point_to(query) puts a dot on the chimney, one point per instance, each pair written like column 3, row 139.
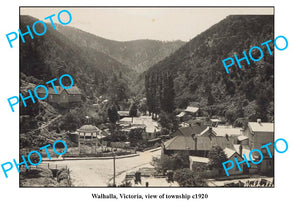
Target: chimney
column 241, row 150
column 259, row 120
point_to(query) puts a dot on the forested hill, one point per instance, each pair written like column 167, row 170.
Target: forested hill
column 197, row 74
column 139, row 55
column 53, row 54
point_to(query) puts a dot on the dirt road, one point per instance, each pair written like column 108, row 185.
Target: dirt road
column 95, row 173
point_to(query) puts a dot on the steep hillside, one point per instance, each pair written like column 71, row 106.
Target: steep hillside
column 197, row 72
column 53, row 54
column 139, row 55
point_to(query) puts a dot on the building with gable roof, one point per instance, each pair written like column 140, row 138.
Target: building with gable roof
column 235, row 142
column 221, row 131
column 196, row 145
column 150, row 126
column 261, row 133
column 189, row 130
column 192, row 110
column 60, row 96
column 231, row 155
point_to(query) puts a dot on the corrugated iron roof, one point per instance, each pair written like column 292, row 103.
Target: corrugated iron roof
column 74, row 90
column 88, row 128
column 180, row 114
column 189, row 130
column 229, row 152
column 261, row 127
column 242, row 137
column 246, row 150
column 181, row 142
column 191, row 109
column 199, row 159
column 123, row 113
column 215, row 120
column 223, row 131
column 151, row 125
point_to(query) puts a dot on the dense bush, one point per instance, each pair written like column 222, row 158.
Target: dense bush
column 168, row 121
column 117, row 136
column 173, row 162
column 216, row 157
column 49, row 56
column 135, row 135
column 199, row 75
column 62, row 174
column 185, row 177
column 73, row 120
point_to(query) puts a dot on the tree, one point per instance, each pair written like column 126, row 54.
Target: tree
column 133, row 109
column 135, row 135
column 230, row 115
column 186, row 177
column 73, row 120
column 262, row 106
column 168, row 121
column 216, row 157
column 240, row 111
column 96, row 79
column 210, row 97
column 171, row 162
column 250, row 90
column 230, row 87
column 149, row 91
column 118, row 89
column 240, row 122
column 143, row 107
column 168, row 94
column 24, row 141
column 113, row 114
column 116, row 135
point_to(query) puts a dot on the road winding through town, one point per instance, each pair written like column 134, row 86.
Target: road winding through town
column 98, row 173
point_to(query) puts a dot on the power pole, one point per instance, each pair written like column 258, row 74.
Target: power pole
column 114, row 165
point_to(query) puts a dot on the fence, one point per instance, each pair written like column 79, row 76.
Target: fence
column 50, row 166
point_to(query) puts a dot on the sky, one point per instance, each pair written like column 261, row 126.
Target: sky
column 126, row 24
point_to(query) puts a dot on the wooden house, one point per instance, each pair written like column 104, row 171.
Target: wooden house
column 62, row 97
column 258, row 134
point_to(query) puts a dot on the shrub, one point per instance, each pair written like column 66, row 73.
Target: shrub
column 62, row 175
column 230, row 115
column 173, row 162
column 216, row 157
column 185, row 177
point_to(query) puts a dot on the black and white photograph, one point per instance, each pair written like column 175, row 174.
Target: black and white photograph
column 146, row 97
